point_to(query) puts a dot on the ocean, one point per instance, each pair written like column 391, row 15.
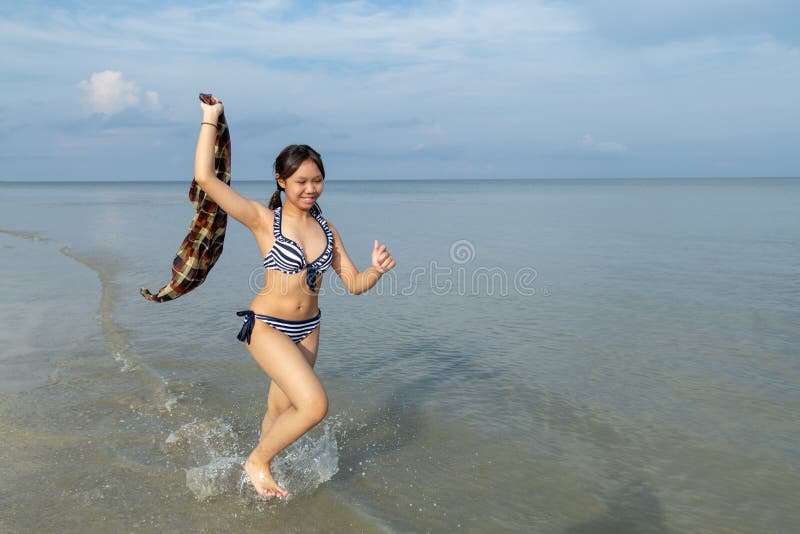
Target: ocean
column 555, row 356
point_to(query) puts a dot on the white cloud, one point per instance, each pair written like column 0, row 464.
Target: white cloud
column 152, row 99
column 587, row 142
column 108, row 92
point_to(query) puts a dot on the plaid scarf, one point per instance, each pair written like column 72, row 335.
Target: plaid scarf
column 202, row 246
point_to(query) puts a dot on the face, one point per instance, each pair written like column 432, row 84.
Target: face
column 304, row 187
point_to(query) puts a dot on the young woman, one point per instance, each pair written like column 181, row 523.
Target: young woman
column 281, row 328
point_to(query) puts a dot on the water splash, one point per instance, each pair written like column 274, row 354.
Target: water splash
column 217, row 448
column 308, row 462
column 201, row 442
column 219, row 477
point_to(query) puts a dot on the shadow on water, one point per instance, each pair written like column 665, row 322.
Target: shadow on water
column 634, row 508
column 397, row 420
column 436, row 356
column 402, row 417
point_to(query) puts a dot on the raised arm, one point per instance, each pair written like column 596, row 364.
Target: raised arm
column 248, row 212
column 356, row 281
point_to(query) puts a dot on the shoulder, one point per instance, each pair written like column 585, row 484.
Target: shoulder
column 334, row 231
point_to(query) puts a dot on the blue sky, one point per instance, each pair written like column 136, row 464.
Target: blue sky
column 395, row 90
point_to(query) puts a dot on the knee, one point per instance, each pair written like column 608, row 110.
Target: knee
column 273, row 412
column 316, row 408
column 275, row 408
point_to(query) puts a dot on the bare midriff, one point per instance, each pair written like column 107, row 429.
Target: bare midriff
column 286, row 296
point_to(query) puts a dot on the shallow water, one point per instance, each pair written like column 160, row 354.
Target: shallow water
column 548, row 356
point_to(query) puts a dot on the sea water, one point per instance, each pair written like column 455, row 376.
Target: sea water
column 547, row 356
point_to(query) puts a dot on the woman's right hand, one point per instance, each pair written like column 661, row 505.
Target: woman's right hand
column 211, row 112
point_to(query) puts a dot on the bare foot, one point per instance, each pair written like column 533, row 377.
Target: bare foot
column 262, row 480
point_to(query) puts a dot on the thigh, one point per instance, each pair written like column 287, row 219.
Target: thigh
column 308, row 348
column 285, row 364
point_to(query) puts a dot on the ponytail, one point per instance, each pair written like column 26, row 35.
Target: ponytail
column 275, row 201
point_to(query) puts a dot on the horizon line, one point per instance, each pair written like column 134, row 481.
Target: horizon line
column 173, row 181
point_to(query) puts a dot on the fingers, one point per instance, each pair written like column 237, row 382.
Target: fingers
column 388, row 265
column 380, row 254
column 214, row 105
column 383, row 260
column 378, row 251
column 211, row 111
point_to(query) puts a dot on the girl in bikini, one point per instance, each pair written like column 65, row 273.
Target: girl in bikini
column 281, row 328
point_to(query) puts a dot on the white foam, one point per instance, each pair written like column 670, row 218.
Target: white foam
column 219, row 477
column 308, row 462
column 127, row 365
column 301, row 468
column 203, row 442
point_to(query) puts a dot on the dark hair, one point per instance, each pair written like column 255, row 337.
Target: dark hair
column 287, row 163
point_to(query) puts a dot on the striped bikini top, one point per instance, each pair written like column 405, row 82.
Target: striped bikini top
column 288, row 257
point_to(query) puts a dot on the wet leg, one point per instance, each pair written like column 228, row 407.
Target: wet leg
column 277, row 401
column 284, row 362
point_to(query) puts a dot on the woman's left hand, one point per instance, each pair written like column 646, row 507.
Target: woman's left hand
column 382, row 259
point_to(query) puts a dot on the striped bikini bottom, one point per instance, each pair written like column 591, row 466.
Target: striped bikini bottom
column 296, row 330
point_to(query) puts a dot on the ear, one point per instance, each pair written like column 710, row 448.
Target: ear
column 281, row 181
